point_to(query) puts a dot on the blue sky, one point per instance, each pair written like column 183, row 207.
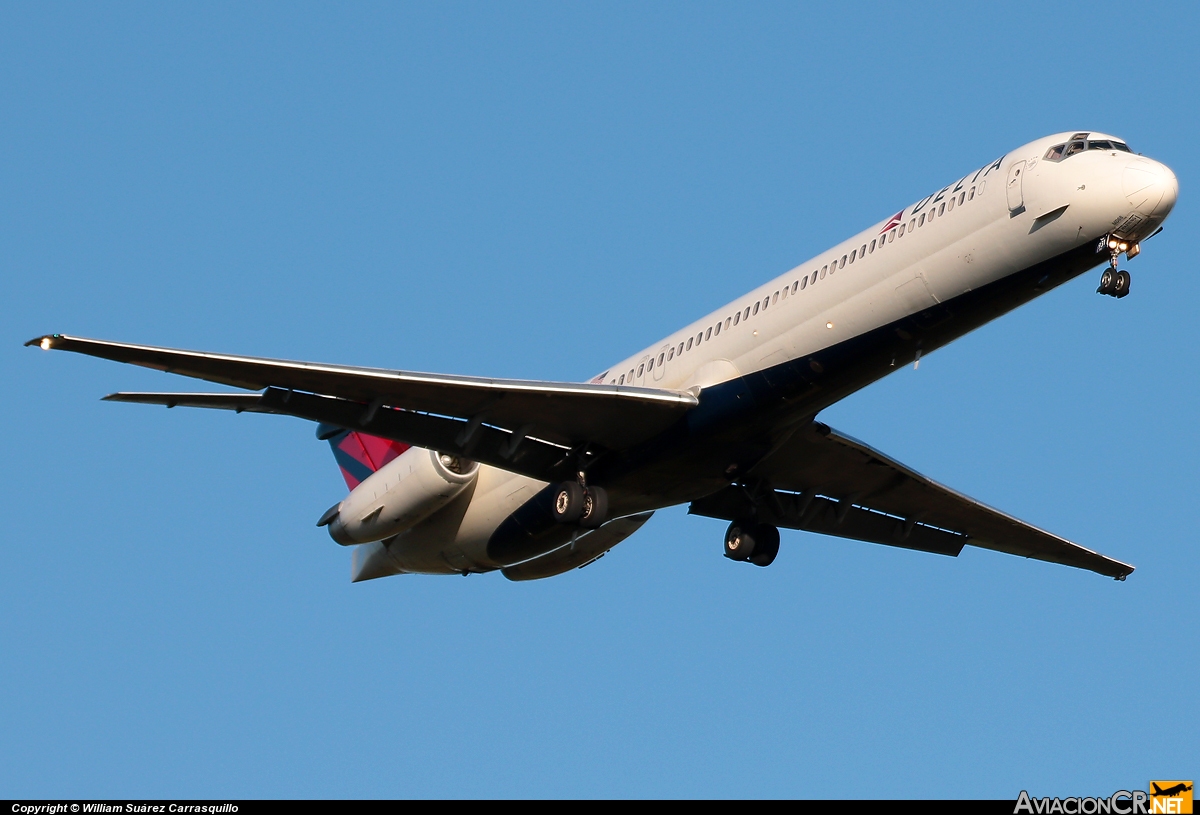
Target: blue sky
column 536, row 191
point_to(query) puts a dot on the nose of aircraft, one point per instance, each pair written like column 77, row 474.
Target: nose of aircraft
column 1150, row 186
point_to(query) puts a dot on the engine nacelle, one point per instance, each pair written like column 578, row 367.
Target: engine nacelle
column 399, row 495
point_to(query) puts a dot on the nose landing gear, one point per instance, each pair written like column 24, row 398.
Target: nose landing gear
column 1115, row 282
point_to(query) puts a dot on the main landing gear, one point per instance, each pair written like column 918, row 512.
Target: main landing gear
column 575, row 502
column 1115, row 282
column 755, row 542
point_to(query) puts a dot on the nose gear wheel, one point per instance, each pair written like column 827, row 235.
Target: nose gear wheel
column 1114, row 283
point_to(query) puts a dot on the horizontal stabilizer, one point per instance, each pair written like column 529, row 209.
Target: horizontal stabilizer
column 239, row 402
column 484, row 443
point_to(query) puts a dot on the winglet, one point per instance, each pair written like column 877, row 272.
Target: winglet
column 45, row 342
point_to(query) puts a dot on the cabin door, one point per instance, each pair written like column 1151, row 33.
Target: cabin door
column 1016, row 197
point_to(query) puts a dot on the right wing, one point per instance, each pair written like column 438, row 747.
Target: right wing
column 823, row 481
column 568, row 413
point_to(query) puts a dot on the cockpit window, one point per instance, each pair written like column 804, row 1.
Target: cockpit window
column 1060, row 151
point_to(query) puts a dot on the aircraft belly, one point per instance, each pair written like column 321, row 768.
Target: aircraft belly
column 740, row 420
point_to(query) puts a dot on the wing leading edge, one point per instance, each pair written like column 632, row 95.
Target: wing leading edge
column 823, row 481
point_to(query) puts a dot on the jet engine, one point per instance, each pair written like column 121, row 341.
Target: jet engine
column 399, row 495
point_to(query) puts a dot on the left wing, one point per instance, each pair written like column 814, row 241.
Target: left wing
column 822, row 481
column 565, row 413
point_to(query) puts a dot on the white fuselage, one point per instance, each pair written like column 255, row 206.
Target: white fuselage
column 979, row 229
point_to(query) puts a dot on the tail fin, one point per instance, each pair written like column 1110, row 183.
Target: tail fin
column 358, row 454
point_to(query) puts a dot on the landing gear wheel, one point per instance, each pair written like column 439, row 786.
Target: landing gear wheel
column 767, row 547
column 1121, row 285
column 1107, row 281
column 739, row 540
column 595, row 507
column 568, row 502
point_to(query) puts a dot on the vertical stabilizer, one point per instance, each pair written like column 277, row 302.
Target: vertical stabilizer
column 358, row 454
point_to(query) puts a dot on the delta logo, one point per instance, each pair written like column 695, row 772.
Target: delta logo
column 1171, row 797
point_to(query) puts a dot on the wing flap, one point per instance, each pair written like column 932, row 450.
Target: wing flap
column 569, row 413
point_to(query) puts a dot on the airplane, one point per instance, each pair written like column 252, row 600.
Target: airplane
column 460, row 475
column 1170, row 792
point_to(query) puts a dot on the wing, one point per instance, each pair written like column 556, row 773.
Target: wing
column 822, row 481
column 516, row 424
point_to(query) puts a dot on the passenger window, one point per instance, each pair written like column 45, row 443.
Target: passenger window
column 901, row 230
column 795, row 286
column 922, row 221
column 746, row 316
column 962, row 197
column 641, row 369
column 804, row 282
column 671, row 353
column 660, row 360
column 942, row 209
column 842, row 264
column 912, row 224
column 872, row 247
column 971, row 195
column 862, row 252
column 728, row 323
column 650, row 365
column 680, row 351
column 824, row 269
column 949, row 204
column 756, row 307
column 814, row 278
column 621, row 381
column 784, row 293
column 982, row 185
column 708, row 334
column 775, row 298
column 689, row 344
column 631, row 374
column 717, row 329
column 766, row 302
column 737, row 318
